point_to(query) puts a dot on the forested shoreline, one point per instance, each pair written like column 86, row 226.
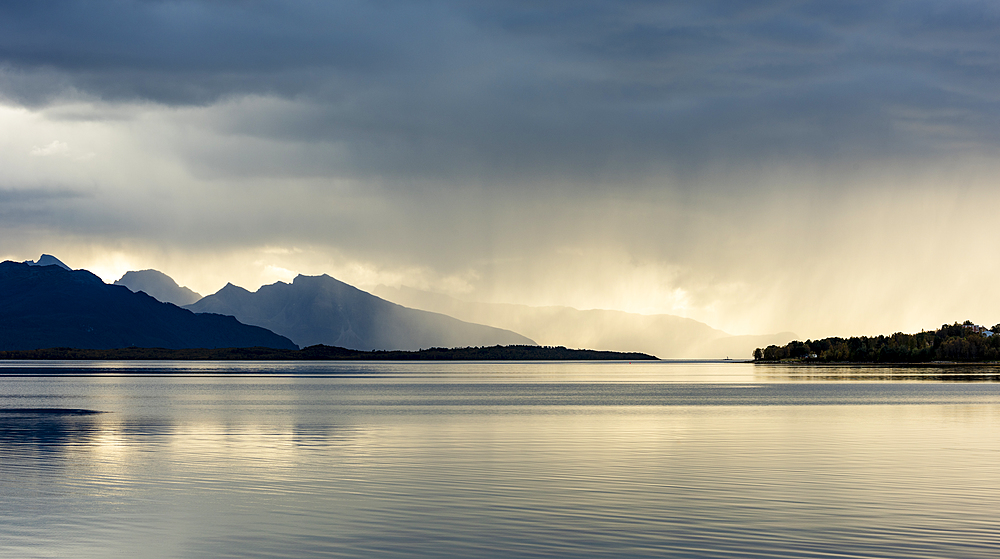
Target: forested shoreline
column 966, row 342
column 329, row 353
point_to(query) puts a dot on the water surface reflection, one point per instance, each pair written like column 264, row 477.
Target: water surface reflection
column 528, row 463
column 929, row 372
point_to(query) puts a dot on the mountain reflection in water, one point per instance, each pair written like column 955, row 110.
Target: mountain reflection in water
column 45, row 429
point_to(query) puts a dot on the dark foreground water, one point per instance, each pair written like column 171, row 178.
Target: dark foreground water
column 496, row 460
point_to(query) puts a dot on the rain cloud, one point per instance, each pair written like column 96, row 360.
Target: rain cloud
column 760, row 166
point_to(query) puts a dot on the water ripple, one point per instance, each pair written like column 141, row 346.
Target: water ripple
column 397, row 467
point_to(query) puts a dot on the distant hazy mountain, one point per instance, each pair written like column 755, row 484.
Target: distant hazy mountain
column 47, row 260
column 321, row 310
column 48, row 306
column 662, row 335
column 159, row 286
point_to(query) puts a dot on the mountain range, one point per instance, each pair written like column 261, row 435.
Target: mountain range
column 662, row 335
column 44, row 306
column 322, row 310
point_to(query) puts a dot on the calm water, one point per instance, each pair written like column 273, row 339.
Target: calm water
column 496, row 460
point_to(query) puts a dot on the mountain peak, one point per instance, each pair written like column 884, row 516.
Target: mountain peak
column 321, row 277
column 231, row 287
column 52, row 272
column 47, row 260
column 158, row 285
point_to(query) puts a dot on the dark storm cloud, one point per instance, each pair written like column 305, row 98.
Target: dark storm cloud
column 191, row 52
column 33, row 194
column 525, row 90
column 33, row 206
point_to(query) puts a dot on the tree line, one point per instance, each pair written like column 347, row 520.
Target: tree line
column 331, row 353
column 951, row 342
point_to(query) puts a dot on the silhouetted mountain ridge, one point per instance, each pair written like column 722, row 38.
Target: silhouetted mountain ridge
column 50, row 306
column 322, row 310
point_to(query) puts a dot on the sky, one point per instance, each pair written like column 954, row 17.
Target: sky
column 826, row 168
